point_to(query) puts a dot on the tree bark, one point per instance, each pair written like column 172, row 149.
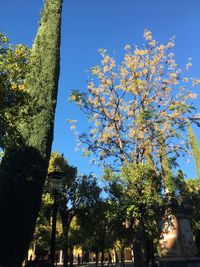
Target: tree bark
column 140, row 247
column 66, row 219
column 53, row 232
column 97, row 257
column 71, row 256
column 65, row 253
column 102, row 256
column 139, row 257
column 65, row 227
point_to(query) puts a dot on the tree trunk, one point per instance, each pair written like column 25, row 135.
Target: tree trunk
column 152, row 255
column 139, row 260
column 97, row 257
column 65, row 253
column 102, row 256
column 65, row 226
column 66, row 220
column 53, row 231
column 140, row 247
column 71, row 256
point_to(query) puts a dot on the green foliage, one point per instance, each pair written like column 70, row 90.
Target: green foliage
column 23, row 169
column 195, row 149
column 42, row 235
column 42, row 81
column 14, row 66
column 193, row 193
column 97, row 225
column 142, row 192
column 74, row 236
column 57, row 162
column 76, row 96
column 137, row 194
column 75, row 194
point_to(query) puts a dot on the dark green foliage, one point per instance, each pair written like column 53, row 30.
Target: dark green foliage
column 138, row 192
column 43, row 79
column 23, row 169
column 23, row 172
column 74, row 195
column 165, row 165
column 77, row 196
column 42, row 236
column 97, row 226
column 195, row 149
column 193, row 187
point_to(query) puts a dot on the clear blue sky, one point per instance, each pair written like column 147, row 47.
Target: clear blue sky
column 91, row 24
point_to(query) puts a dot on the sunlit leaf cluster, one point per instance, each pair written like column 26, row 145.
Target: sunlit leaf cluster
column 14, row 66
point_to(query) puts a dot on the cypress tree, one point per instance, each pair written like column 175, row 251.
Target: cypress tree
column 43, row 79
column 24, row 167
column 195, row 149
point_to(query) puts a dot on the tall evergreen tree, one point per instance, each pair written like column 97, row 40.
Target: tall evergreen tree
column 195, row 149
column 24, row 167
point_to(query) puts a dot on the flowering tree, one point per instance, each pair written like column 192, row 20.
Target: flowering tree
column 138, row 111
column 138, row 106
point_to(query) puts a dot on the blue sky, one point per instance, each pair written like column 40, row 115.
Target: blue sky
column 91, row 24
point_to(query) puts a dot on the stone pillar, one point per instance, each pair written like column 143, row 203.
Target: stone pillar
column 176, row 244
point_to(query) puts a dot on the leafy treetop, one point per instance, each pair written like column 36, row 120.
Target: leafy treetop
column 135, row 106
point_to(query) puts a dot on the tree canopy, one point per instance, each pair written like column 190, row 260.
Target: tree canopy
column 14, row 67
column 138, row 104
